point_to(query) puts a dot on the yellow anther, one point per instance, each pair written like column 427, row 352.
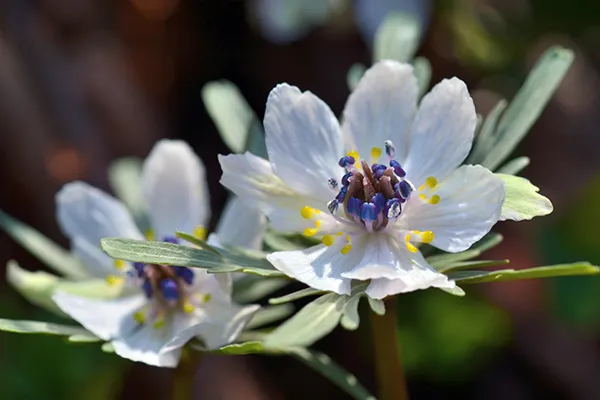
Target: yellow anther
column 188, row 307
column 114, row 280
column 149, row 234
column 421, row 188
column 200, row 232
column 310, row 231
column 346, row 249
column 318, row 224
column 435, row 199
column 207, row 298
column 119, row 264
column 339, row 234
column 159, row 323
column 306, row 212
column 409, row 245
column 328, row 240
column 431, row 182
column 139, row 317
column 354, row 154
column 427, row 237
column 422, row 196
column 375, row 153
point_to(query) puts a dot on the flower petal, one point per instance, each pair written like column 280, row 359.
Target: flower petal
column 252, row 179
column 95, row 262
column 471, row 201
column 90, row 214
column 241, row 225
column 303, row 141
column 144, row 343
column 225, row 322
column 218, row 286
column 320, row 267
column 175, row 190
column 104, row 318
column 442, row 133
column 417, row 275
column 382, row 107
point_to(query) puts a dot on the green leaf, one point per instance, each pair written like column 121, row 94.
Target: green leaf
column 232, row 115
column 579, row 268
column 108, row 347
column 268, row 315
column 528, row 103
column 22, row 326
column 252, row 288
column 441, row 260
column 277, row 241
column 322, row 364
column 515, row 166
column 522, row 201
column 462, row 265
column 455, row 291
column 42, row 248
column 397, row 38
column 125, row 178
column 485, row 139
column 174, row 254
column 377, row 306
column 355, row 73
column 84, row 338
column 314, row 321
column 251, row 347
column 296, row 295
column 422, row 71
column 350, row 317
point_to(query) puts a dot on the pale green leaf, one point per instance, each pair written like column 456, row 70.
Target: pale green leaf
column 397, row 38
column 528, row 103
column 22, row 326
column 350, row 318
column 355, row 73
column 579, row 268
column 485, row 139
column 108, row 347
column 377, row 306
column 252, row 347
column 268, row 315
column 515, row 166
column 251, row 288
column 441, row 260
column 125, row 178
column 84, row 338
column 42, row 248
column 522, row 201
column 455, row 291
column 296, row 295
column 232, row 115
column 462, row 265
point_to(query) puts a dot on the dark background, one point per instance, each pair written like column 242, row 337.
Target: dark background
column 83, row 82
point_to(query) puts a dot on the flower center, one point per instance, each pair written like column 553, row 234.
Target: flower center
column 372, row 197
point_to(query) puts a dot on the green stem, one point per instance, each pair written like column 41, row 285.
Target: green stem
column 183, row 376
column 388, row 367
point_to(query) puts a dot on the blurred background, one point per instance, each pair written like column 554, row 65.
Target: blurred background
column 86, row 81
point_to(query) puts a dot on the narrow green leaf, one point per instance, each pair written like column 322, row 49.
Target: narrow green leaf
column 529, row 103
column 310, row 324
column 174, row 254
column 277, row 241
column 296, row 295
column 125, row 178
column 397, row 38
column 455, row 291
column 84, row 338
column 485, row 139
column 377, row 306
column 251, row 347
column 108, row 347
column 350, row 318
column 325, row 366
column 355, row 73
column 441, row 260
column 268, row 315
column 522, row 201
column 22, row 326
column 579, row 268
column 42, row 248
column 422, row 71
column 515, row 166
column 251, row 288
column 462, row 265
column 230, row 112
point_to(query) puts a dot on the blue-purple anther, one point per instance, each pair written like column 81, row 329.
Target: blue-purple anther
column 139, row 268
column 147, row 287
column 368, row 212
column 169, row 289
column 342, row 194
column 397, row 168
column 392, row 208
column 346, row 177
column 404, row 189
column 171, row 239
column 379, row 201
column 354, row 206
column 185, row 273
column 346, row 160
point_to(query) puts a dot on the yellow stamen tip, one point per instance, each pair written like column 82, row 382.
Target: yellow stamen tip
column 139, row 317
column 188, row 307
column 375, row 153
column 114, row 280
column 346, row 249
column 409, row 245
column 149, row 234
column 435, row 199
column 339, row 234
column 431, row 182
column 119, row 264
column 159, row 323
column 207, row 298
column 200, row 232
column 310, row 231
column 306, row 212
column 328, row 240
column 354, row 154
column 427, row 237
column 318, row 224
column 422, row 196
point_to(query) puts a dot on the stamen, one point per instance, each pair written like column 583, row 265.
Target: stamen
column 354, row 206
column 207, row 298
column 346, row 177
column 149, row 234
column 139, row 316
column 346, row 249
column 409, row 245
column 332, row 182
column 309, row 212
column 170, row 239
column 404, row 188
column 120, row 264
column 354, row 155
column 139, row 268
column 147, row 287
column 390, row 150
column 332, row 206
column 310, row 231
column 114, row 280
column 375, row 153
column 185, row 273
column 169, row 290
column 398, row 170
column 435, row 199
column 188, row 307
column 159, row 322
column 427, row 237
column 328, row 240
column 368, row 212
column 342, row 194
column 200, row 232
column 392, row 208
column 378, row 170
column 379, row 201
column 431, row 182
column 346, row 161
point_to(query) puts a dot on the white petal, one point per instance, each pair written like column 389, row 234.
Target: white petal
column 471, row 201
column 104, row 318
column 242, row 225
column 417, row 275
column 252, row 179
column 95, row 262
column 175, row 190
column 320, row 267
column 442, row 132
column 303, row 141
column 382, row 107
column 218, row 286
column 225, row 322
column 90, row 214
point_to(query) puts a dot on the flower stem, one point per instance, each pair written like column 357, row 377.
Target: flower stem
column 388, row 367
column 183, row 376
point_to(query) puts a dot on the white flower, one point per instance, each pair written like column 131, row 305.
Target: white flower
column 165, row 306
column 387, row 179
